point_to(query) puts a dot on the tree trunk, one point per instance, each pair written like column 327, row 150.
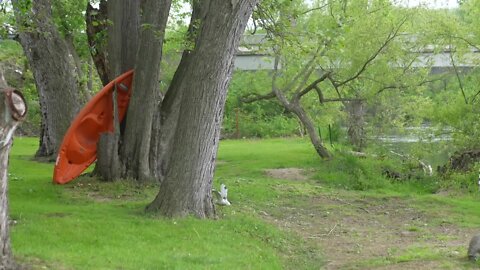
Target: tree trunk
column 96, row 22
column 122, row 50
column 356, row 132
column 12, row 110
column 108, row 160
column 163, row 132
column 187, row 187
column 124, row 18
column 141, row 110
column 81, row 79
column 311, row 130
column 53, row 69
column 90, row 76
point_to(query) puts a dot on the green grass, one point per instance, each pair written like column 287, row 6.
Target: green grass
column 63, row 227
column 93, row 225
column 10, row 50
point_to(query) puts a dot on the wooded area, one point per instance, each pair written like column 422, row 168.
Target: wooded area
column 383, row 95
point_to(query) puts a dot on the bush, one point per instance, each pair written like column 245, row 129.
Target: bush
column 353, row 173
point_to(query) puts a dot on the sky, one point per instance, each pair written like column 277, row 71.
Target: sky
column 429, row 3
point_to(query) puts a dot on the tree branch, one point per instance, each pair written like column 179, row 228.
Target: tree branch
column 391, row 36
column 470, row 43
column 460, row 83
column 322, row 99
column 275, row 89
column 313, row 9
column 406, row 86
column 319, row 93
column 335, row 86
column 313, row 85
column 305, row 72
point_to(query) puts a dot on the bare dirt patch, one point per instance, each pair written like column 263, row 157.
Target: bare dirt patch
column 360, row 233
column 124, row 190
column 288, row 173
column 32, row 263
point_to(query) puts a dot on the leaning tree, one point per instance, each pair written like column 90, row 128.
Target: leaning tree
column 317, row 57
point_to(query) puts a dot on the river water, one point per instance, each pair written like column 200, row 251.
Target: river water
column 425, row 143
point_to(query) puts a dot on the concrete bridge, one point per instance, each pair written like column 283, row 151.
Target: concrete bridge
column 249, row 58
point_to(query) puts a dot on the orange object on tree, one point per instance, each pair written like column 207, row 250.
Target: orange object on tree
column 79, row 146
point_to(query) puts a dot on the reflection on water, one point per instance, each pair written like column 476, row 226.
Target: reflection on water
column 423, row 134
column 425, row 143
column 412, row 138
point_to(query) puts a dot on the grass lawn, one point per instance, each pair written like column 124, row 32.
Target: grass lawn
column 341, row 214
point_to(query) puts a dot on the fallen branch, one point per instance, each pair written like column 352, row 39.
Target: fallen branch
column 347, row 203
column 427, row 168
column 324, row 234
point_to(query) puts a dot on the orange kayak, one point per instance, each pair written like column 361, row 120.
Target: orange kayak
column 79, row 147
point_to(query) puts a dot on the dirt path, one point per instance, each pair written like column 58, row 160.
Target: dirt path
column 372, row 233
column 375, row 234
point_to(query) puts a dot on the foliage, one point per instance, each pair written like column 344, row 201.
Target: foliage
column 19, row 76
column 260, row 119
column 70, row 20
column 319, row 60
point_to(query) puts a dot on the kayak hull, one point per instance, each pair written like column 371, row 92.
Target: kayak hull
column 79, row 147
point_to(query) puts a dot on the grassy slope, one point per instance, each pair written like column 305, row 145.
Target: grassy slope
column 91, row 225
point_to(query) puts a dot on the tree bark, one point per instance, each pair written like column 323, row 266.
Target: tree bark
column 124, row 16
column 311, row 130
column 141, row 110
column 108, row 160
column 90, row 76
column 96, row 22
column 9, row 120
column 163, row 132
column 356, row 132
column 186, row 189
column 53, row 69
column 123, row 34
column 81, row 79
column 293, row 105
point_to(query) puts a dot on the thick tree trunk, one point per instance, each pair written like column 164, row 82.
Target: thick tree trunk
column 163, row 132
column 141, row 111
column 187, row 187
column 54, row 72
column 124, row 16
column 9, row 120
column 356, row 132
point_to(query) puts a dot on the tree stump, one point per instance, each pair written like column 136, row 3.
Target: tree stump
column 13, row 109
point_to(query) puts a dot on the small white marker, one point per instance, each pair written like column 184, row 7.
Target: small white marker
column 478, row 182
